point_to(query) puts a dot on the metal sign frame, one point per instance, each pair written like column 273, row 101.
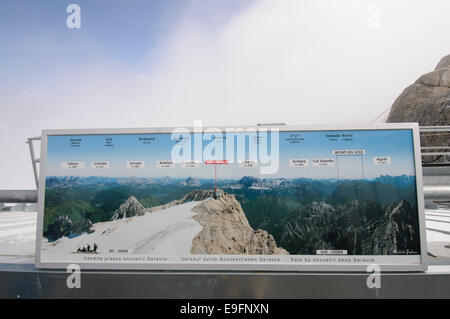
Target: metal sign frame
column 394, row 267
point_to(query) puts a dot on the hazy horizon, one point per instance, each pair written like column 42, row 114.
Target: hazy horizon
column 224, row 179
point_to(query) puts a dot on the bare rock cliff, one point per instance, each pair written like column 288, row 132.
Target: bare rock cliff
column 226, row 230
column 427, row 102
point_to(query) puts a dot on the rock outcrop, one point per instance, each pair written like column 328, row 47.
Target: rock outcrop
column 360, row 228
column 81, row 226
column 397, row 232
column 197, row 195
column 226, row 230
column 62, row 226
column 445, row 62
column 427, row 102
column 130, row 208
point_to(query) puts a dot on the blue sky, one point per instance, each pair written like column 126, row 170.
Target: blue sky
column 229, row 63
column 315, row 145
column 38, row 44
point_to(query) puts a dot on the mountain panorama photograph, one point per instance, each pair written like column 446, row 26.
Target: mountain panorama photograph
column 207, row 210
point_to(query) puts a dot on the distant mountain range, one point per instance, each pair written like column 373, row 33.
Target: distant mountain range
column 397, row 181
column 192, row 182
column 378, row 192
column 251, row 181
column 244, row 182
column 73, row 181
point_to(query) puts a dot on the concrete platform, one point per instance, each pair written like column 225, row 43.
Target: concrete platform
column 19, row 278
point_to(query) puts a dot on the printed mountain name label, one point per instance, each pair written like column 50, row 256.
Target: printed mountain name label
column 73, row 165
column 135, row 164
column 216, row 162
column 165, row 164
column 323, row 162
column 146, row 140
column 75, row 142
column 190, row 164
column 382, row 160
column 100, row 164
column 108, row 142
column 247, row 163
column 349, row 152
column 298, row 162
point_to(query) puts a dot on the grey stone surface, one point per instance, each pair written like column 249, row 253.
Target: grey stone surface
column 445, row 62
column 427, row 102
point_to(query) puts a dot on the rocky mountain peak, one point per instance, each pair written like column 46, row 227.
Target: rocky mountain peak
column 399, row 231
column 59, row 228
column 248, row 181
column 427, row 102
column 445, row 62
column 130, row 208
column 226, row 230
column 437, row 78
column 191, row 181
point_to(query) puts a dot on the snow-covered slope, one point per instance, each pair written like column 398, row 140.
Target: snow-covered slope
column 168, row 231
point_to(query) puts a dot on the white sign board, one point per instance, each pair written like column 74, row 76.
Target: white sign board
column 315, row 199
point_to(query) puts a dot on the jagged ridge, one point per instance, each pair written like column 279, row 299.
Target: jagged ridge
column 196, row 195
column 360, row 228
column 226, row 230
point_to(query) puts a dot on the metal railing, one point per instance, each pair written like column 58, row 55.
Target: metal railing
column 435, row 155
column 34, row 159
column 25, row 196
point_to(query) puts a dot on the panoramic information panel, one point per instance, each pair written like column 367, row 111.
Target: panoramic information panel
column 232, row 199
